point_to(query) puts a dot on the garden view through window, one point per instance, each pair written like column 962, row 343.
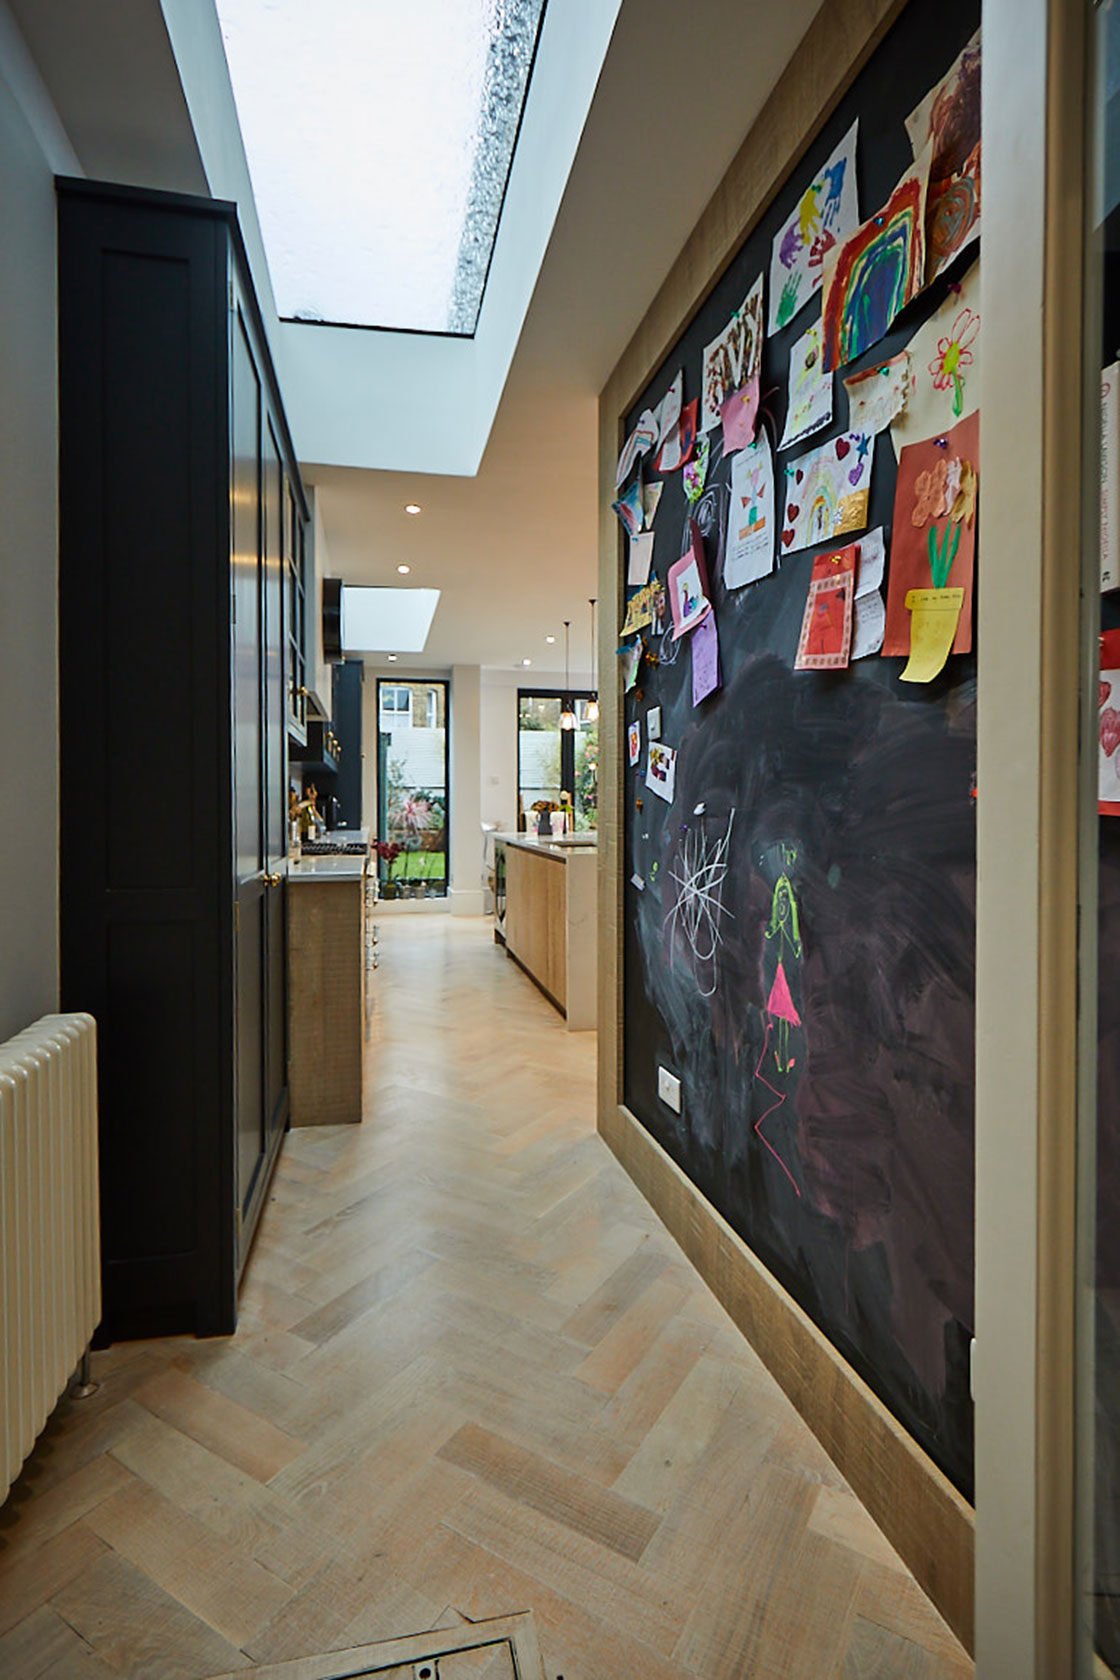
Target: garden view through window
column 557, row 769
column 412, row 786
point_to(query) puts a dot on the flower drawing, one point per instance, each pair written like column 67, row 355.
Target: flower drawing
column 954, row 355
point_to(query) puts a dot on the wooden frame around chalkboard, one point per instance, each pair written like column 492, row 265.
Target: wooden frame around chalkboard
column 914, row 1503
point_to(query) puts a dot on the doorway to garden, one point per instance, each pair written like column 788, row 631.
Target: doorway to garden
column 557, row 762
column 412, row 784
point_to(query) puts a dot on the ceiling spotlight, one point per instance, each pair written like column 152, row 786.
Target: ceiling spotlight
column 526, row 662
column 404, row 570
column 550, row 639
column 392, row 659
column 412, row 507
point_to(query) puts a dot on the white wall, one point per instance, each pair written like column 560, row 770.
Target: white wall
column 32, row 147
column 466, row 829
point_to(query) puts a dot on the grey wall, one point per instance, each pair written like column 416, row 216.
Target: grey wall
column 31, row 146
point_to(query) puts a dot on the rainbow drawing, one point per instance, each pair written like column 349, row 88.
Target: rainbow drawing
column 876, row 272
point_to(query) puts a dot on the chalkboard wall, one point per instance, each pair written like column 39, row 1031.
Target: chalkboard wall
column 849, row 1170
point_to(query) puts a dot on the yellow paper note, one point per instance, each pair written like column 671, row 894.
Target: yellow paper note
column 933, row 625
column 639, row 611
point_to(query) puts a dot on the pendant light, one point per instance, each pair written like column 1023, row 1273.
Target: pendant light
column 592, row 713
column 567, row 716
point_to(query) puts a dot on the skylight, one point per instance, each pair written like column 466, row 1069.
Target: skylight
column 379, row 138
column 374, row 620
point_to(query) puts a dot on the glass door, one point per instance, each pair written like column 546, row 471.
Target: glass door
column 557, row 767
column 412, row 788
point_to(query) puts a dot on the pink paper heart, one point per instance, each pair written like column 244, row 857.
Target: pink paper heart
column 842, row 448
column 1110, row 731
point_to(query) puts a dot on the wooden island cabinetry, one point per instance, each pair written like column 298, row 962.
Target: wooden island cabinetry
column 327, row 943
column 550, row 921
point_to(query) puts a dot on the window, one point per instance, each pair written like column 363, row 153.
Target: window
column 395, row 706
column 556, row 767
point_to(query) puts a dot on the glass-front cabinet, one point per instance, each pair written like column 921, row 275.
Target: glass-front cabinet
column 295, row 582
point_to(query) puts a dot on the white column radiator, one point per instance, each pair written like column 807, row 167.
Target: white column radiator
column 50, row 1277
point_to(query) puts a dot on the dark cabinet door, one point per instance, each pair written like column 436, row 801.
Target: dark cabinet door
column 176, row 477
column 275, row 787
column 250, row 855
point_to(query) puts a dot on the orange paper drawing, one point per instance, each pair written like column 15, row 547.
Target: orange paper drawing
column 934, row 533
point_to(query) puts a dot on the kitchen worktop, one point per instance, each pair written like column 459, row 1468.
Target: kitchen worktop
column 340, row 867
column 557, row 845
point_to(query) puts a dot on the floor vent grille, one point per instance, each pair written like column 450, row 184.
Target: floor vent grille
column 502, row 1649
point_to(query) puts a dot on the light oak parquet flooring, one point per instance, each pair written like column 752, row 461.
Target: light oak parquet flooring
column 472, row 1376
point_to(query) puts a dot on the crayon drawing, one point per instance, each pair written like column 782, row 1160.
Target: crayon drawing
column 733, row 358
column 827, row 491
column 810, row 389
column 750, row 521
column 948, row 120
column 944, row 365
column 875, row 273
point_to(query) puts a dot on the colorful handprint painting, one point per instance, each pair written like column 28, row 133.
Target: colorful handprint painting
column 827, row 212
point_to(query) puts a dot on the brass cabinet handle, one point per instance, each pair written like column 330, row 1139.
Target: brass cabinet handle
column 273, row 880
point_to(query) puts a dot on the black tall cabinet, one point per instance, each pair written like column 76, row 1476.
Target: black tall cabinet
column 181, row 507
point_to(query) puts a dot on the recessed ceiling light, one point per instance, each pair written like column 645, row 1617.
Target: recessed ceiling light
column 550, row 638
column 412, row 507
column 526, row 662
column 392, row 659
column 404, row 570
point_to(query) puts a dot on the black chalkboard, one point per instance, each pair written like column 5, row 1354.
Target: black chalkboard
column 849, row 1168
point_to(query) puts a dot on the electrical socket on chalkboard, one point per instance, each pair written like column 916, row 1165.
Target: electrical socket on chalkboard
column 669, row 1089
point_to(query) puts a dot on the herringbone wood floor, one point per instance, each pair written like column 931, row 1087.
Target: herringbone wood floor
column 472, row 1376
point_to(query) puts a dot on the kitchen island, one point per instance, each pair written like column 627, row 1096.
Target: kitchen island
column 550, row 918
column 327, row 929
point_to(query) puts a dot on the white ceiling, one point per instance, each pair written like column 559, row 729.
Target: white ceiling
column 514, row 549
